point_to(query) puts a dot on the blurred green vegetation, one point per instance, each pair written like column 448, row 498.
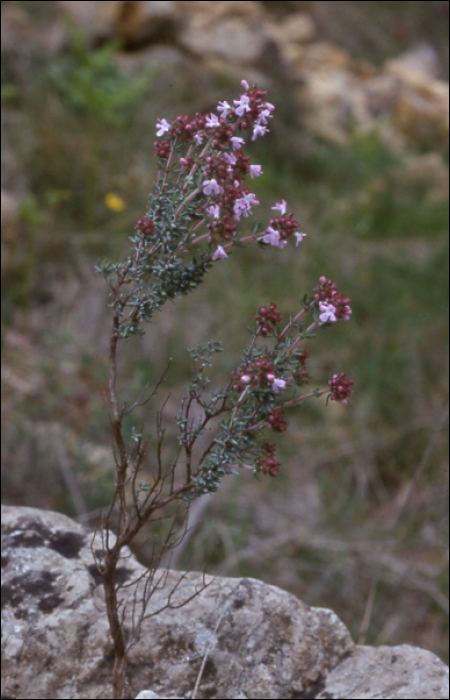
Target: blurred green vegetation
column 81, row 126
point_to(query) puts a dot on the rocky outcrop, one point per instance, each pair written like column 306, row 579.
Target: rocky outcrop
column 238, row 638
column 336, row 96
column 405, row 100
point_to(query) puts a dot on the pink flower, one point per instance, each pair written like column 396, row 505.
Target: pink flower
column 162, row 125
column 259, row 130
column 250, row 199
column 281, row 207
column 255, row 171
column 328, row 312
column 243, row 205
column 214, row 211
column 244, row 84
column 326, row 291
column 219, row 254
column 278, row 384
column 299, row 237
column 230, row 158
column 241, row 208
column 210, row 186
column 237, row 142
column 242, row 105
column 212, row 121
column 262, row 119
column 274, row 238
column 224, row 108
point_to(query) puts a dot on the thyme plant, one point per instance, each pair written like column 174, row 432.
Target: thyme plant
column 191, row 225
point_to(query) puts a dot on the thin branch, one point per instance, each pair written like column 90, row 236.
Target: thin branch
column 142, row 402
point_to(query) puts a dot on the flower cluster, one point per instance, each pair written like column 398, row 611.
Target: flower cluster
column 215, row 167
column 250, row 111
column 162, row 149
column 267, row 464
column 341, row 387
column 300, row 373
column 277, row 422
column 282, row 228
column 333, row 306
column 145, row 226
column 267, row 319
column 267, row 381
column 260, row 373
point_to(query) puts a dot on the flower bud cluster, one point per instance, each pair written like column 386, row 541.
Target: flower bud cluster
column 341, row 387
column 265, row 383
column 145, row 226
column 331, row 303
column 268, row 319
column 277, row 422
column 300, row 373
column 260, row 373
column 267, row 464
column 162, row 149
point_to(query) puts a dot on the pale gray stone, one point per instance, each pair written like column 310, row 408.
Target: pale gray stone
column 255, row 640
column 150, row 695
column 390, row 672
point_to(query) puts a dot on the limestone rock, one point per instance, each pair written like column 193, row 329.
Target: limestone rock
column 405, row 100
column 258, row 641
column 98, row 19
column 387, row 672
column 422, row 113
column 297, row 28
column 152, row 21
column 232, row 39
column 339, row 97
column 421, row 108
column 420, row 61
